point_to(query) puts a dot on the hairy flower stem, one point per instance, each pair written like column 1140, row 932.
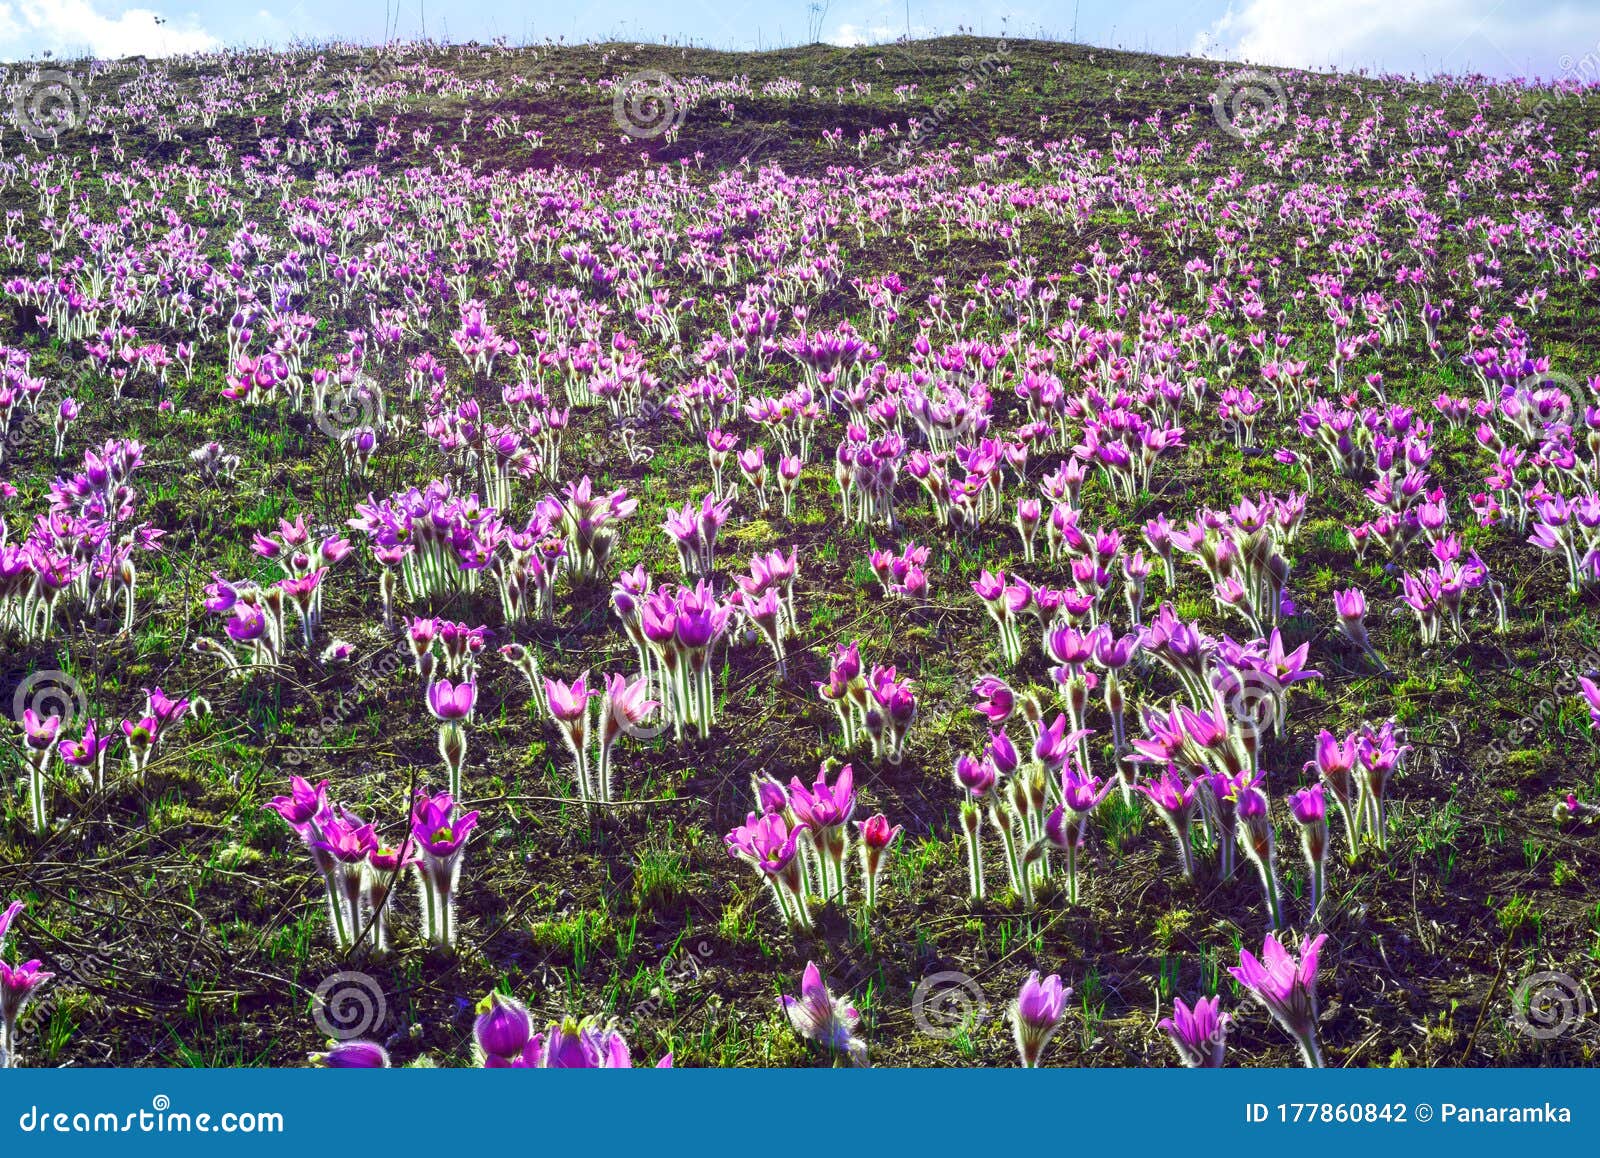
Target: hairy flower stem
column 972, row 824
column 1310, row 1050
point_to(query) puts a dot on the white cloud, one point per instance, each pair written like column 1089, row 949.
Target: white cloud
column 1501, row 37
column 855, row 36
column 70, row 27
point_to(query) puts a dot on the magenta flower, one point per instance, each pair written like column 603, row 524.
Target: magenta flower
column 1351, row 606
column 502, row 1030
column 1175, row 803
column 1287, row 988
column 452, row 702
column 765, row 841
column 573, row 1044
column 1199, row 1035
column 302, row 804
column 994, row 698
column 771, row 846
column 876, row 837
column 1310, row 810
column 18, row 984
column 771, row 796
column 822, row 806
column 441, row 838
column 1036, row 1014
column 1591, row 695
column 829, row 1021
column 977, row 776
column 439, row 835
column 8, row 916
column 39, row 733
column 352, row 1055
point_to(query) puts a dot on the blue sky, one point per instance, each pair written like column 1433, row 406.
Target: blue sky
column 1500, row 37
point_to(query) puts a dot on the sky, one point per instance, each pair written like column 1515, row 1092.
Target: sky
column 1545, row 38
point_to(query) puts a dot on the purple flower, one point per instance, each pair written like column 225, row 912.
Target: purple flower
column 38, row 733
column 820, row 1017
column 1286, row 987
column 7, row 917
column 1036, row 1015
column 502, row 1030
column 352, row 1055
column 771, row 796
column 18, row 983
column 302, row 804
column 433, row 823
column 821, row 806
column 570, row 1044
column 1199, row 1035
column 977, row 776
column 1308, row 805
column 452, row 702
column 766, row 842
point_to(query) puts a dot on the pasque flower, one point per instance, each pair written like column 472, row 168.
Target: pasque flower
column 504, row 1039
column 1335, row 763
column 88, row 755
column 1200, row 1035
column 1286, row 987
column 39, row 735
column 18, row 984
column 1379, row 754
column 501, row 1031
column 441, row 836
column 1064, row 830
column 1256, row 838
column 829, row 1021
column 624, row 709
column 771, row 846
column 1310, row 811
column 1036, row 1014
column 352, row 1055
column 8, row 917
column 1174, row 800
column 824, row 811
column 876, row 837
column 452, row 705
